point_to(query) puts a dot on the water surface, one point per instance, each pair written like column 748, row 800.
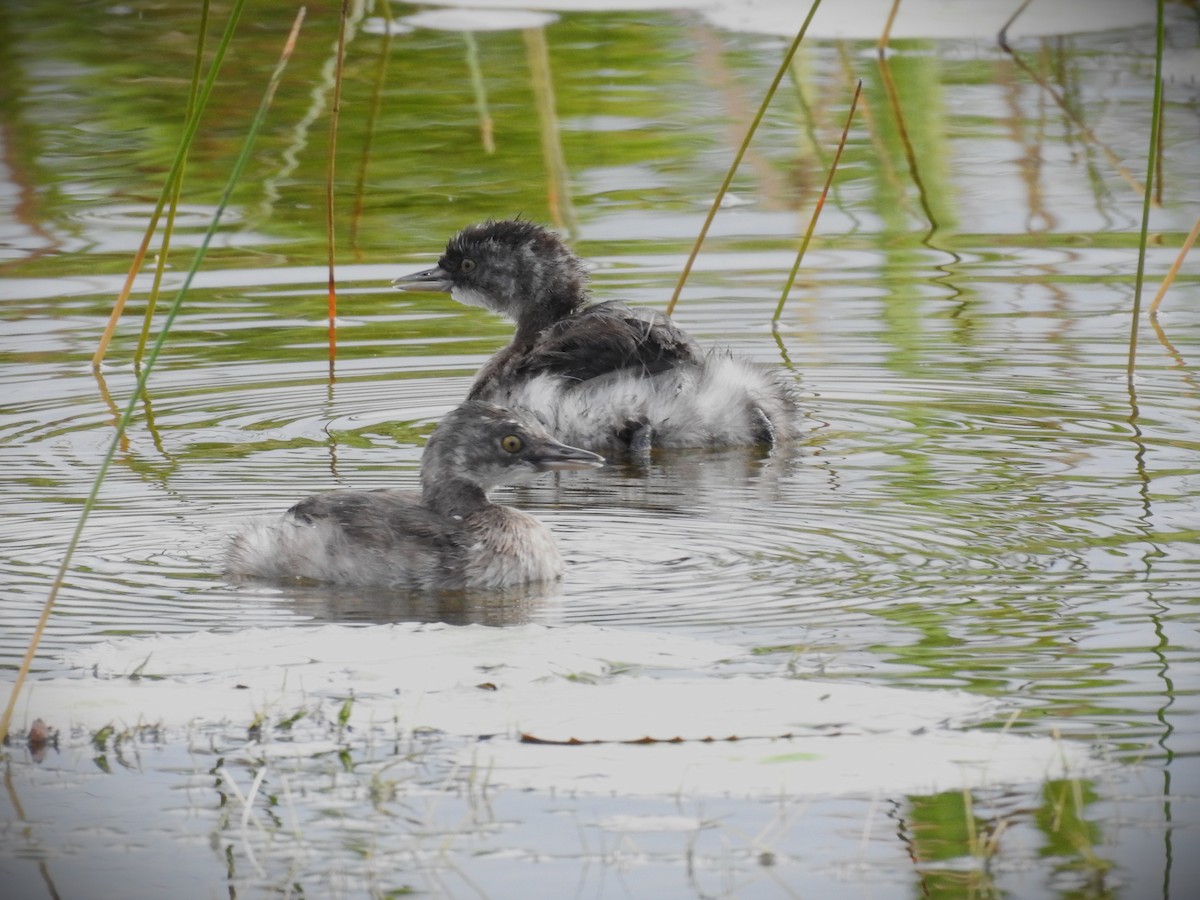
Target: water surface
column 980, row 500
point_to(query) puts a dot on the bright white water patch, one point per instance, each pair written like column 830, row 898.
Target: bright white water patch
column 930, row 19
column 472, row 19
column 433, row 657
column 894, row 763
column 577, row 5
column 853, row 19
column 577, row 708
column 380, row 25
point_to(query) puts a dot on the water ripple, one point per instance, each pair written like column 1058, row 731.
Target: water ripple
column 973, row 476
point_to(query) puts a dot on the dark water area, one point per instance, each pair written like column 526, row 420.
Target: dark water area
column 980, row 500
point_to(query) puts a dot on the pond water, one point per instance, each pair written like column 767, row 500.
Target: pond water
column 984, row 524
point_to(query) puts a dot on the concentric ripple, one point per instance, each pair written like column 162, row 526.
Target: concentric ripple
column 928, row 476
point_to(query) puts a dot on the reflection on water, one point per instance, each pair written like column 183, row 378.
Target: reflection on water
column 979, row 499
column 329, row 603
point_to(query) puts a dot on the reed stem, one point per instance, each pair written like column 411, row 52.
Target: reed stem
column 335, row 109
column 812, row 222
column 886, row 37
column 189, row 133
column 1169, row 279
column 1148, row 193
column 143, row 376
column 737, row 159
column 176, row 191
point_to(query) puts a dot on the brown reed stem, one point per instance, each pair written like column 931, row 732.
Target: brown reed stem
column 176, row 191
column 812, row 222
column 334, row 113
column 737, row 159
column 160, row 342
column 541, row 82
column 189, row 134
column 886, row 37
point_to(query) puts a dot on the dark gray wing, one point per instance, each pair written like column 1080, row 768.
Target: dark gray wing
column 384, row 520
column 605, row 338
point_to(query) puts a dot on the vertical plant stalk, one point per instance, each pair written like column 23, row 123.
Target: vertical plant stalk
column 189, row 134
column 812, row 222
column 558, row 187
column 1159, row 168
column 176, row 190
column 486, row 128
column 298, row 134
column 151, row 358
column 1148, row 192
column 737, row 159
column 1169, row 279
column 886, row 37
column 335, row 109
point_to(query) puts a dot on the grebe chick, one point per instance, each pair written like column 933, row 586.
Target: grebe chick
column 601, row 375
column 448, row 537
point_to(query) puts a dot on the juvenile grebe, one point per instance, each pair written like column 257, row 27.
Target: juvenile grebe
column 601, row 375
column 450, row 536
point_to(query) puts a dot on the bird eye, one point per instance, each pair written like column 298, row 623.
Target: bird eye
column 511, row 443
column 466, row 265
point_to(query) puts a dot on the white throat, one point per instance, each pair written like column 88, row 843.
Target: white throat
column 470, row 297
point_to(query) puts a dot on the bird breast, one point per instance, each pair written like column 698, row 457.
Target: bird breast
column 510, row 547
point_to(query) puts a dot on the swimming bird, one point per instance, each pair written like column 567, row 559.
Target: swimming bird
column 601, row 375
column 450, row 536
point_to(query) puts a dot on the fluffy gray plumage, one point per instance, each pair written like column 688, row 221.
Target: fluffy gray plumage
column 449, row 536
column 602, row 375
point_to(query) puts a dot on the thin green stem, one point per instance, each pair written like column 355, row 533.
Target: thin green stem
column 737, row 159
column 334, row 114
column 1148, row 194
column 151, row 358
column 812, row 222
column 176, row 191
column 189, row 134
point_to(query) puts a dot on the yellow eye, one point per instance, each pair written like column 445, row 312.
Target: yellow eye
column 511, row 443
column 466, row 265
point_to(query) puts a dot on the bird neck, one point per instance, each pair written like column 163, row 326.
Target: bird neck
column 541, row 315
column 454, row 497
